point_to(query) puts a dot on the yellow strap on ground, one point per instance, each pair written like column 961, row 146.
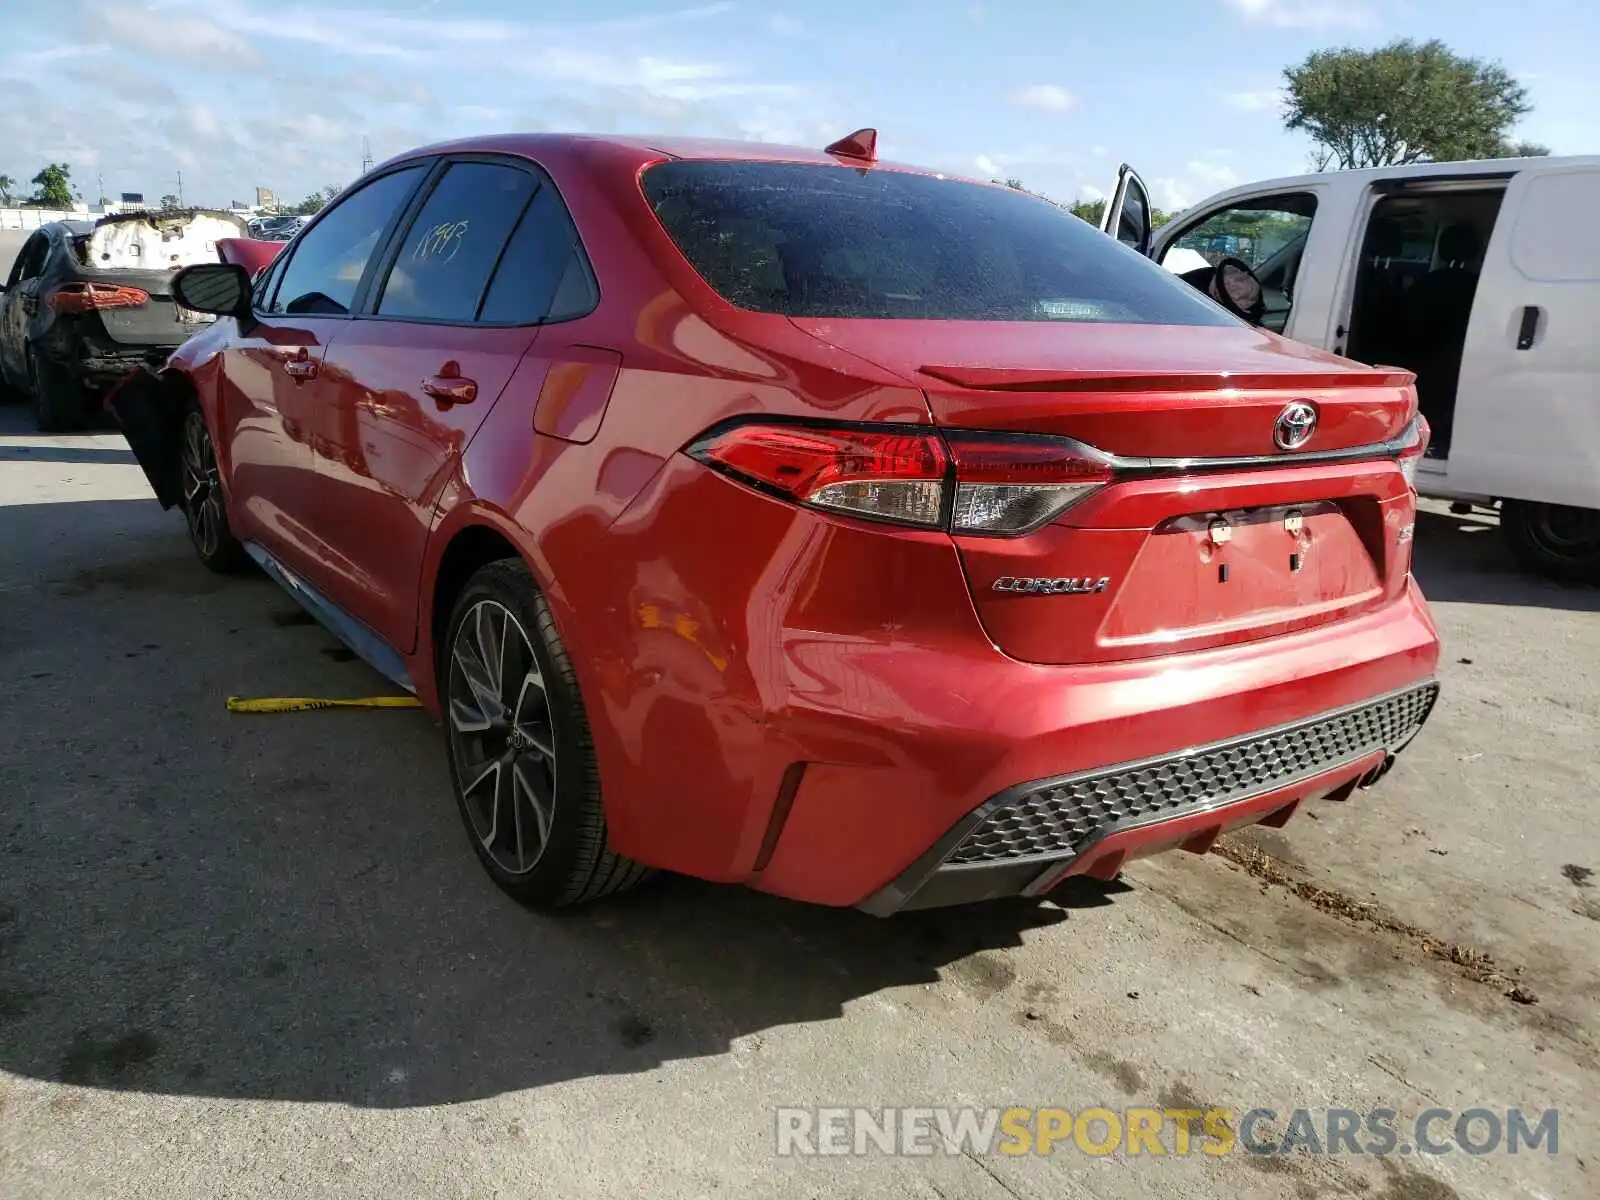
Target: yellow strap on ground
column 278, row 704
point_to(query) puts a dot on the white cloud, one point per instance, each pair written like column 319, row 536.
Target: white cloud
column 171, row 35
column 1046, row 96
column 1213, row 177
column 785, row 26
column 1089, row 194
column 1266, row 100
column 987, row 165
column 1306, row 14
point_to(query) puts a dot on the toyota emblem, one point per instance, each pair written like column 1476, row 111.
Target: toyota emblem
column 1295, row 425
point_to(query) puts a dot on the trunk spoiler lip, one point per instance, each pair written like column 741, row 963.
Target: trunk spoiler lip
column 1022, row 379
column 1122, row 466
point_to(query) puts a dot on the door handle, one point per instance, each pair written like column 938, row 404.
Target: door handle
column 1529, row 328
column 450, row 389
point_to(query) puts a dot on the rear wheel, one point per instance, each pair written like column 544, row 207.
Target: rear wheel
column 521, row 756
column 60, row 403
column 1557, row 540
column 204, row 506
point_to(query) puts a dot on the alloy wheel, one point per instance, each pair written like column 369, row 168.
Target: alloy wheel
column 202, row 487
column 502, row 736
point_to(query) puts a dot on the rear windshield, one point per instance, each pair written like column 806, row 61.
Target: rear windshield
column 813, row 240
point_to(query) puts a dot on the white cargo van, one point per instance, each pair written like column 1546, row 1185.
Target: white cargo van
column 1481, row 277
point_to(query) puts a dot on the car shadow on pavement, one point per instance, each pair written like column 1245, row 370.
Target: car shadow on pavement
column 194, row 902
column 1463, row 559
column 66, row 454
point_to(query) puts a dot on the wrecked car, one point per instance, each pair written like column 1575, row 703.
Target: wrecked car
column 88, row 300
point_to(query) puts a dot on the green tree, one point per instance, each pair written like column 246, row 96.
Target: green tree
column 1092, row 210
column 314, row 202
column 1401, row 103
column 6, row 184
column 1518, row 149
column 55, row 186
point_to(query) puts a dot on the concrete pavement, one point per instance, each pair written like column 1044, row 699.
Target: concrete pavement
column 254, row 956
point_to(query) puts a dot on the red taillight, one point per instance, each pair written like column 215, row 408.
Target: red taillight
column 1011, row 485
column 1413, row 447
column 885, row 474
column 95, row 297
column 974, row 483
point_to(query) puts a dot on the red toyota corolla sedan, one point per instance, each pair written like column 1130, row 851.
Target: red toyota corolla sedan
column 787, row 518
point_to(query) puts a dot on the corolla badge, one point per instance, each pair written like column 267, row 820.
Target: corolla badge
column 1050, row 587
column 1295, row 425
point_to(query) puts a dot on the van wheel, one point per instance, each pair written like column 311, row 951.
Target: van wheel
column 204, row 505
column 1556, row 540
column 60, row 402
column 521, row 755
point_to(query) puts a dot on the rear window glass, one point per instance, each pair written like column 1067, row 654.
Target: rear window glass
column 811, row 240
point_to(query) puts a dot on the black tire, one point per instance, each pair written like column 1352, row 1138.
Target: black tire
column 1554, row 540
column 520, row 748
column 204, row 504
column 61, row 404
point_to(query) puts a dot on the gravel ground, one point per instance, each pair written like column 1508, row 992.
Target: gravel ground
column 254, row 956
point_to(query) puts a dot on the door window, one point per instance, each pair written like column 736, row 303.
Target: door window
column 30, row 260
column 329, row 260
column 1267, row 233
column 544, row 275
column 445, row 260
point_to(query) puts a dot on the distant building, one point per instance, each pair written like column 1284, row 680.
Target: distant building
column 133, row 198
column 266, row 198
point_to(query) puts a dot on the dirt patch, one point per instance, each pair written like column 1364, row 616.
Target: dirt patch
column 1471, row 962
column 984, row 975
column 1121, row 1072
column 1403, row 1183
column 168, row 577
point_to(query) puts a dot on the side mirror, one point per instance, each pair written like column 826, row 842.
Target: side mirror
column 220, row 288
column 1235, row 286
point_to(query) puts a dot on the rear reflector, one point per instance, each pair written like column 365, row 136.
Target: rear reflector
column 72, row 298
column 973, row 483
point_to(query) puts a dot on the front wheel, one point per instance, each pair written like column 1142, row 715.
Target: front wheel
column 1557, row 540
column 204, row 506
column 521, row 755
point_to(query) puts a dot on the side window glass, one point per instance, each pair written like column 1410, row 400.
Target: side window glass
column 544, row 275
column 1135, row 218
column 329, row 260
column 32, row 259
column 20, row 262
column 446, row 257
column 1257, row 233
column 1268, row 234
column 265, row 282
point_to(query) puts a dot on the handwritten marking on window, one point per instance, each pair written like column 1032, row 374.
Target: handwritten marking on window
column 442, row 242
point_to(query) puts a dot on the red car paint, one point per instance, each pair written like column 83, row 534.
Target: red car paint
column 250, row 253
column 803, row 701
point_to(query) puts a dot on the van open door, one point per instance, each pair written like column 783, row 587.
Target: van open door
column 1127, row 211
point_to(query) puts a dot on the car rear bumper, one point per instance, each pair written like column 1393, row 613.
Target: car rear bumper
column 1077, row 770
column 1029, row 838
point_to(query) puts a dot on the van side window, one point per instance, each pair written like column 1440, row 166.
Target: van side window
column 1268, row 233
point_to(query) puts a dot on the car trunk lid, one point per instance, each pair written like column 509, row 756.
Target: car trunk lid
column 1210, row 532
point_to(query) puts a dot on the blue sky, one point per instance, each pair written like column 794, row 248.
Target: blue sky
column 240, row 93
